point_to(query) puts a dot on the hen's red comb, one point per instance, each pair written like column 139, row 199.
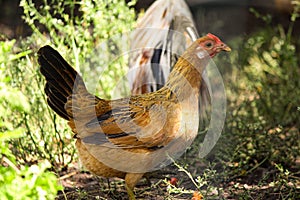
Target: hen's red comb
column 213, row 37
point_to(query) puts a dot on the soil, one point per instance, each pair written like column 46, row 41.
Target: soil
column 80, row 184
column 84, row 185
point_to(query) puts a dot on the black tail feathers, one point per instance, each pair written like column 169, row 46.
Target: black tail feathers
column 60, row 77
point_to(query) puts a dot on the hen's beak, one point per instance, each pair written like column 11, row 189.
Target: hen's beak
column 222, row 47
column 226, row 48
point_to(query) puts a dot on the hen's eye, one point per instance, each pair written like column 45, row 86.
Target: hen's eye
column 208, row 44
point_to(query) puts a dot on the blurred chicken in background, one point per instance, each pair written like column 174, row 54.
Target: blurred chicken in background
column 163, row 33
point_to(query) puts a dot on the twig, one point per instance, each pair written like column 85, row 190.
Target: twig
column 67, row 175
column 11, row 164
column 185, row 171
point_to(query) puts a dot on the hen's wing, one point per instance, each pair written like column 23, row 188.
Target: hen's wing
column 139, row 122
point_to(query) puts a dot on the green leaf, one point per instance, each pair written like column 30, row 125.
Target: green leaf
column 17, row 133
column 15, row 99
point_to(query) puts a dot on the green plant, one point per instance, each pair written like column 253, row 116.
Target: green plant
column 18, row 181
column 83, row 32
column 29, row 131
column 205, row 183
column 24, row 107
column 32, row 182
column 269, row 115
column 88, row 33
column 262, row 125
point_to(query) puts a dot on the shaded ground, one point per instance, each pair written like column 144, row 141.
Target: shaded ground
column 261, row 184
column 84, row 185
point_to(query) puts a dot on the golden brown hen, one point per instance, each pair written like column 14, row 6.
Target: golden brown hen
column 127, row 137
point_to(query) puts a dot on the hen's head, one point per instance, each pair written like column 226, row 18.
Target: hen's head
column 209, row 45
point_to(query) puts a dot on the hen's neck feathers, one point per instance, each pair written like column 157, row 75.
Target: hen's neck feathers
column 185, row 77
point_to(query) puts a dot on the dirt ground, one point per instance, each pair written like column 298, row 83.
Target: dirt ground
column 80, row 184
column 84, row 185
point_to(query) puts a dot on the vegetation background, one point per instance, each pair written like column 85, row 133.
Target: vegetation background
column 257, row 156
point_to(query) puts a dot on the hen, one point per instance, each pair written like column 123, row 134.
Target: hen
column 127, row 137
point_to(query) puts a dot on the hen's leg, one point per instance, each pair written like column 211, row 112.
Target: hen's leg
column 131, row 180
